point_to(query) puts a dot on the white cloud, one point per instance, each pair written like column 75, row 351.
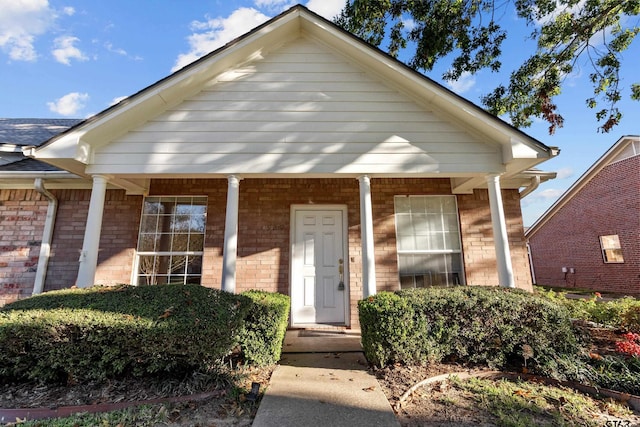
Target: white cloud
column 463, row 84
column 575, row 9
column 116, row 100
column 65, row 50
column 117, row 50
column 69, row 11
column 214, row 33
column 565, row 173
column 326, row 8
column 21, row 21
column 549, row 194
column 70, row 104
column 409, row 24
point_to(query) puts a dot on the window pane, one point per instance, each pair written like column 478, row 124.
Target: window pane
column 167, row 205
column 178, row 264
column 449, row 205
column 151, row 206
column 402, row 204
column 147, row 242
column 163, row 242
column 197, row 224
column 180, row 243
column 430, row 270
column 418, row 204
column 433, row 205
column 403, row 223
column 429, row 237
column 172, row 226
column 194, row 265
column 196, row 243
column 147, row 269
column 149, row 224
column 611, row 249
column 452, row 240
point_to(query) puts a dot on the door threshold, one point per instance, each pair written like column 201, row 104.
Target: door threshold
column 319, row 326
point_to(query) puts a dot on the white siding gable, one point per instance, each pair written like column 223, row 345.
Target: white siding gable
column 302, row 109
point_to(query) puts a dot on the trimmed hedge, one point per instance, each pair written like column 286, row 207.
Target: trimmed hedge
column 477, row 325
column 107, row 332
column 263, row 333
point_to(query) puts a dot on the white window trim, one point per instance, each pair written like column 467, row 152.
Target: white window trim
column 137, row 254
column 436, row 252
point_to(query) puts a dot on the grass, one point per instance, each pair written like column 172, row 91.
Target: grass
column 146, row 415
column 522, row 404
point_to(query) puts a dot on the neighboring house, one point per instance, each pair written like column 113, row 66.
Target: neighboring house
column 295, row 159
column 590, row 237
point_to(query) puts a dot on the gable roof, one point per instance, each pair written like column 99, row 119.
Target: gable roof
column 74, row 149
column 627, row 146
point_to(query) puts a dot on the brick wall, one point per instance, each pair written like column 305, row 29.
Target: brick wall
column 477, row 239
column 118, row 239
column 22, row 217
column 264, row 230
column 608, row 204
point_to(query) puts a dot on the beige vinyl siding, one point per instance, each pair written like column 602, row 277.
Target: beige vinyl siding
column 301, row 109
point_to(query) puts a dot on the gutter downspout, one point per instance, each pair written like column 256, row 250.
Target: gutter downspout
column 535, row 182
column 47, row 234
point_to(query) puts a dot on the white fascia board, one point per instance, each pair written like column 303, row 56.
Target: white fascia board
column 37, row 174
column 10, row 148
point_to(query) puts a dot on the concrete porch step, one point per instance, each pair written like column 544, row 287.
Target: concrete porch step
column 322, row 340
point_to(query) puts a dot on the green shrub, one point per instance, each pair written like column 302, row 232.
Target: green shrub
column 594, row 309
column 476, row 325
column 263, row 332
column 102, row 332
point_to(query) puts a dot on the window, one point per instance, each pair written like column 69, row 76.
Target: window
column 611, row 250
column 428, row 241
column 171, row 240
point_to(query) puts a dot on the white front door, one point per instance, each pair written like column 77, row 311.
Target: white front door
column 319, row 292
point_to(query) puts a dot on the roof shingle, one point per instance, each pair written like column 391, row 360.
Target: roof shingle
column 26, row 132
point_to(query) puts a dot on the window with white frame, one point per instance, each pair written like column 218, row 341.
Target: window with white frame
column 611, row 249
column 428, row 241
column 171, row 240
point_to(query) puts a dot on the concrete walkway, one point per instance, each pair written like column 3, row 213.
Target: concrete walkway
column 323, row 388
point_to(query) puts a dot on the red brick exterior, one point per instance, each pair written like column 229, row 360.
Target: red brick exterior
column 22, row 216
column 264, row 231
column 608, row 204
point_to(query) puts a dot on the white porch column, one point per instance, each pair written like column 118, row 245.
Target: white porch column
column 503, row 255
column 230, row 249
column 366, row 230
column 91, row 243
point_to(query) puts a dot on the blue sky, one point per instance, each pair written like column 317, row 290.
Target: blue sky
column 75, row 58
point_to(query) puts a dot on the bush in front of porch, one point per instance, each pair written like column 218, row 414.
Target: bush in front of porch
column 474, row 325
column 79, row 335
